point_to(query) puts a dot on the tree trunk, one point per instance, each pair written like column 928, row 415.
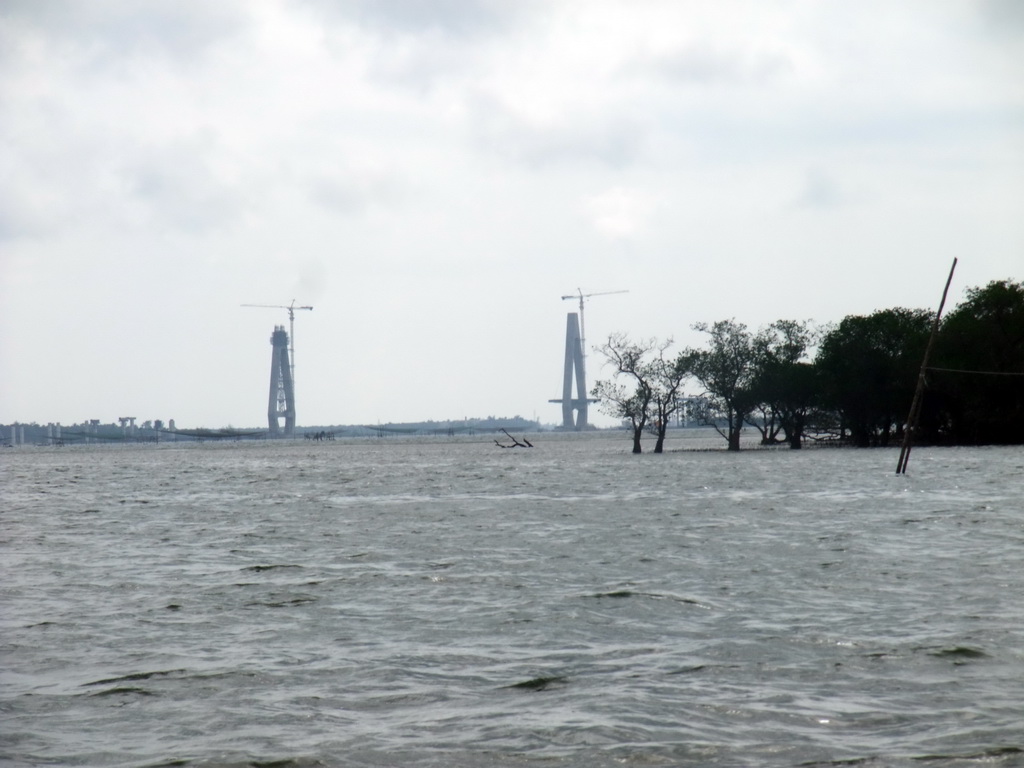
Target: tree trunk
column 795, row 432
column 735, row 424
column 637, row 432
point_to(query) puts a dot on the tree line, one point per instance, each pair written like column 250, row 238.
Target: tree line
column 850, row 382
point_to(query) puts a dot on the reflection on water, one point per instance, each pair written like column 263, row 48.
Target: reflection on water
column 447, row 602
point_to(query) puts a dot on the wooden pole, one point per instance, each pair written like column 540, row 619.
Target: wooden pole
column 915, row 405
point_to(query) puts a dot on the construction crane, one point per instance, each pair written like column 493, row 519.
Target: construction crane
column 291, row 329
column 583, row 335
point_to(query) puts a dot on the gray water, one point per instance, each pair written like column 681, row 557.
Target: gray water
column 430, row 602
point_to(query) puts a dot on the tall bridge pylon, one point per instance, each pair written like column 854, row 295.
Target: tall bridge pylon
column 282, row 390
column 282, row 372
column 574, row 372
column 576, row 366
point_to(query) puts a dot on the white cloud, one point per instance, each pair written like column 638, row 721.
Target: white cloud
column 111, row 30
column 820, row 190
column 619, row 212
column 433, row 176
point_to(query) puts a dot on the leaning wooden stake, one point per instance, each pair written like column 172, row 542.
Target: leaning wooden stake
column 915, row 405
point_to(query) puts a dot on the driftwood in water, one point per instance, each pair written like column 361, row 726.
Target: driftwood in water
column 515, row 443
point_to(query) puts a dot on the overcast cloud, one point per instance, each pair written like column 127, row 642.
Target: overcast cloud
column 433, row 176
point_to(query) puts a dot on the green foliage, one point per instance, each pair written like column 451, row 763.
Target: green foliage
column 981, row 343
column 784, row 386
column 868, row 368
column 632, row 402
column 667, row 377
column 859, row 386
column 650, row 398
column 726, row 370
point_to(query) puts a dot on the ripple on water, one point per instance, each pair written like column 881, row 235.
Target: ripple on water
column 446, row 603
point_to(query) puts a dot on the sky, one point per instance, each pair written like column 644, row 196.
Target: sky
column 432, row 177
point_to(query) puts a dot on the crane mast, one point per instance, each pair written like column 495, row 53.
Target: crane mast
column 291, row 328
column 583, row 331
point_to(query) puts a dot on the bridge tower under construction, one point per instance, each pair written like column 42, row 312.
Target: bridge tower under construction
column 282, row 387
column 574, row 370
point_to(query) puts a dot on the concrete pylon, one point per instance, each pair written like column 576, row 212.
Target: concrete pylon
column 282, row 390
column 574, row 371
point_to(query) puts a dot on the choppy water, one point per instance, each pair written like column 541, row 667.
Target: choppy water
column 444, row 602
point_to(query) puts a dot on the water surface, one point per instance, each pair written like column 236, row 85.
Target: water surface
column 447, row 602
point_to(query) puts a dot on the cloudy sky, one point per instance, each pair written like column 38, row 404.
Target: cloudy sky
column 432, row 176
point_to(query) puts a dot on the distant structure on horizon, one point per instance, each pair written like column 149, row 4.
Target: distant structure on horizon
column 576, row 363
column 282, row 374
column 282, row 387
